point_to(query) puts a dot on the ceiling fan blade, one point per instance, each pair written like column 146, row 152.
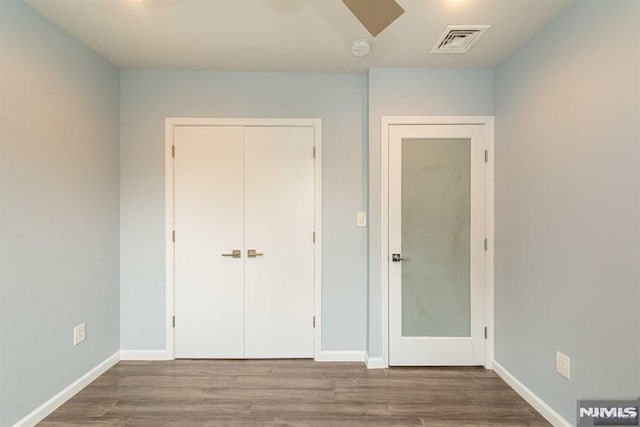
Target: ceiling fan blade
column 375, row 15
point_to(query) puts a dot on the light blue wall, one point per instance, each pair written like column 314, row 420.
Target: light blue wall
column 412, row 92
column 150, row 96
column 568, row 206
column 59, row 174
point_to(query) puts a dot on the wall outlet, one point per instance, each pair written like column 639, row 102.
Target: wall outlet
column 361, row 219
column 79, row 334
column 563, row 365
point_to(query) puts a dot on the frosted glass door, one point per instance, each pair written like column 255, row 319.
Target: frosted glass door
column 435, row 237
column 436, row 245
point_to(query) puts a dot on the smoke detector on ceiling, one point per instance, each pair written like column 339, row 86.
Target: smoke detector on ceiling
column 459, row 38
column 360, row 47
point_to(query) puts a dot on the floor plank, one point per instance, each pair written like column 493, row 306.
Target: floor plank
column 289, row 392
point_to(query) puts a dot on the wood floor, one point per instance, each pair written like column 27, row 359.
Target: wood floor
column 292, row 393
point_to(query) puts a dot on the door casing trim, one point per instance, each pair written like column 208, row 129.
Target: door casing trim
column 387, row 121
column 170, row 124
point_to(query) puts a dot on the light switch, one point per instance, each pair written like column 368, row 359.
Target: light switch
column 361, row 219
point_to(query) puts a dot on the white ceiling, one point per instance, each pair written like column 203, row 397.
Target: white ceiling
column 289, row 35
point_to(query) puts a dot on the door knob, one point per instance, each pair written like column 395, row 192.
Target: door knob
column 236, row 253
column 397, row 258
column 251, row 253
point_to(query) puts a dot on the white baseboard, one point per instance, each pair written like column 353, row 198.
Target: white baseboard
column 374, row 362
column 340, row 356
column 144, row 355
column 533, row 399
column 41, row 412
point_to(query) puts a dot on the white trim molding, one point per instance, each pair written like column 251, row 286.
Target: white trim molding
column 145, row 355
column 387, row 121
column 374, row 362
column 490, row 234
column 170, row 123
column 42, row 411
column 532, row 399
column 340, row 356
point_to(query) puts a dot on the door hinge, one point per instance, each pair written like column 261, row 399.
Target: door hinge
column 486, row 156
column 314, row 237
column 314, row 321
column 173, row 151
column 173, row 236
column 314, row 152
column 174, row 321
column 486, row 244
column 485, row 332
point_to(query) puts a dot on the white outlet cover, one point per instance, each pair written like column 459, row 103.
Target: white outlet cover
column 563, row 365
column 79, row 334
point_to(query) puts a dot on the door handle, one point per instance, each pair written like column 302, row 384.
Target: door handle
column 236, row 253
column 398, row 258
column 251, row 253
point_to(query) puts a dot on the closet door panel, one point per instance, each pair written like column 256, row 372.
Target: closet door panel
column 279, row 219
column 209, row 287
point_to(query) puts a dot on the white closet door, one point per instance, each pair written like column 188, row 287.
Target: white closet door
column 279, row 218
column 209, row 288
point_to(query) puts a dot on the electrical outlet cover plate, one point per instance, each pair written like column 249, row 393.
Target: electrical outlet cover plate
column 79, row 334
column 563, row 365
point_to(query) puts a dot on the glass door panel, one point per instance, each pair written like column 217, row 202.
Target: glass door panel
column 436, row 216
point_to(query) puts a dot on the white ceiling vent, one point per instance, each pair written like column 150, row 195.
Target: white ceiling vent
column 459, row 38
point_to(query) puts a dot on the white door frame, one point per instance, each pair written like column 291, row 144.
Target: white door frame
column 387, row 121
column 170, row 123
